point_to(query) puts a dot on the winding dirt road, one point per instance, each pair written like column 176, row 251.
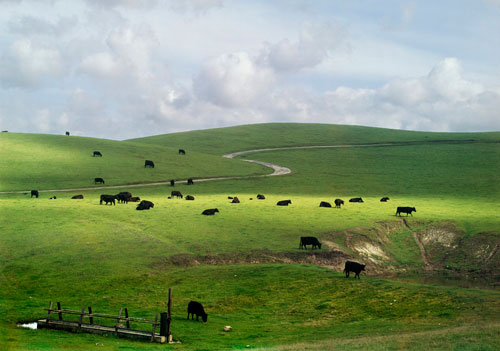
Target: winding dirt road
column 277, row 170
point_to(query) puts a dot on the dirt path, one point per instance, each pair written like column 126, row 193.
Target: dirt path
column 277, row 170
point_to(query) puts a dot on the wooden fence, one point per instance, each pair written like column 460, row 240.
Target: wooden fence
column 121, row 328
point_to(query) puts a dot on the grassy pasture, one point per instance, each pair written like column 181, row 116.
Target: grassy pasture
column 42, row 162
column 82, row 253
column 256, row 136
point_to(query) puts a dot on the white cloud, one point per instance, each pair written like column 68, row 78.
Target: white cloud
column 233, row 80
column 311, row 49
column 27, row 64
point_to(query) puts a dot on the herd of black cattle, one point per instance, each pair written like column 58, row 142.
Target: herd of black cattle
column 194, row 307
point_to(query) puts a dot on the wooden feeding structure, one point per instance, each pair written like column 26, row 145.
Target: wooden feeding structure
column 122, row 329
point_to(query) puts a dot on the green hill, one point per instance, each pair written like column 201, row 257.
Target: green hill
column 427, row 276
column 256, row 136
column 36, row 161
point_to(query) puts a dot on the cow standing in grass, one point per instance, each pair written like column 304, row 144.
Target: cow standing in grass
column 34, row 193
column 407, row 210
column 355, row 267
column 108, row 199
column 338, row 203
column 309, row 240
column 176, row 193
column 196, row 308
column 98, row 180
column 284, row 202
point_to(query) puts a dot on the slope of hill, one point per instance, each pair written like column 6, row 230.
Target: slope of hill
column 244, row 264
column 256, row 136
column 37, row 161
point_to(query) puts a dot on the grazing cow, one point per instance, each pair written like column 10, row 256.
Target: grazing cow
column 123, row 197
column 309, row 240
column 145, row 205
column 176, row 193
column 356, row 199
column 384, row 199
column 195, row 308
column 338, row 203
column 34, row 193
column 77, row 197
column 325, row 204
column 98, row 180
column 284, row 202
column 235, row 200
column 182, row 152
column 189, row 197
column 97, row 153
column 107, row 199
column 230, row 197
column 261, row 197
column 407, row 210
column 134, row 199
column 67, row 133
column 355, row 267
column 52, row 198
column 190, row 181
column 172, row 182
column 149, row 163
column 210, row 212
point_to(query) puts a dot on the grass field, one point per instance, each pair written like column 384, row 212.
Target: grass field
column 244, row 264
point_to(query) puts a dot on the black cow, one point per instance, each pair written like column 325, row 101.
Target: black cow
column 189, row 197
column 34, row 193
column 149, row 163
column 134, row 199
column 355, row 267
column 108, row 199
column 172, row 182
column 52, row 198
column 407, row 210
column 235, row 200
column 324, row 204
column 98, row 180
column 195, row 308
column 123, row 197
column 176, row 193
column 309, row 240
column 182, row 152
column 67, row 133
column 338, row 203
column 284, row 202
column 356, row 199
column 145, row 205
column 230, row 197
column 261, row 197
column 384, row 199
column 210, row 212
column 190, row 181
column 97, row 153
column 77, row 197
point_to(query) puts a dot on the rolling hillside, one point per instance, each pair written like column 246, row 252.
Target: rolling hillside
column 428, row 275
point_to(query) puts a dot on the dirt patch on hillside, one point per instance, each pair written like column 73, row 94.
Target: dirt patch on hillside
column 331, row 258
column 447, row 253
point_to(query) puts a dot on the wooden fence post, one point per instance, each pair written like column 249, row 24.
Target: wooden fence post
column 50, row 310
column 59, row 308
column 169, row 318
column 126, row 316
column 154, row 328
column 119, row 319
column 91, row 316
column 81, row 318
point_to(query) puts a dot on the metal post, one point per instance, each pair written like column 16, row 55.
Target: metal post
column 169, row 318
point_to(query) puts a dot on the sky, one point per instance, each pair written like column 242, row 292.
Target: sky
column 120, row 69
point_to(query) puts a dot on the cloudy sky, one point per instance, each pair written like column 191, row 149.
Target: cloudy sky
column 128, row 68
